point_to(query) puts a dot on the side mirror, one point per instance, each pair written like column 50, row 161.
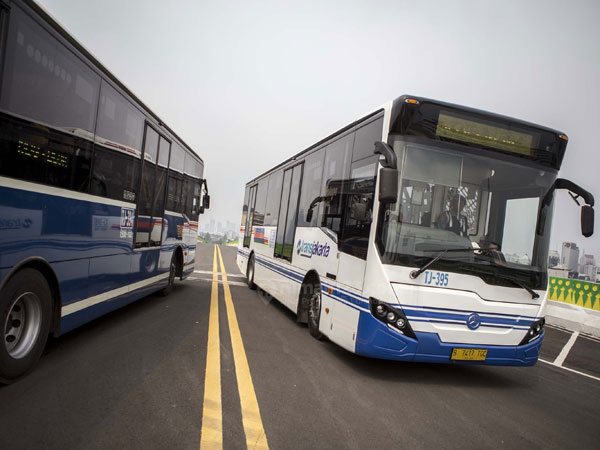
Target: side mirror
column 315, row 202
column 587, row 220
column 388, row 185
column 309, row 215
column 206, row 201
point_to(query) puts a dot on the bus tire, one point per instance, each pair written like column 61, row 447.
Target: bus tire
column 250, row 273
column 172, row 273
column 314, row 313
column 25, row 316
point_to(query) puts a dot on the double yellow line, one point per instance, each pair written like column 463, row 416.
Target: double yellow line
column 212, row 414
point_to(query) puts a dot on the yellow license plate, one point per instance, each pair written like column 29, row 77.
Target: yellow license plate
column 469, row 354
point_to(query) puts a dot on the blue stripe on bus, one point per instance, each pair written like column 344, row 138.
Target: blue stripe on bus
column 414, row 313
column 429, row 314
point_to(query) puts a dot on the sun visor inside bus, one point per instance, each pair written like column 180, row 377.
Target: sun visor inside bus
column 442, row 169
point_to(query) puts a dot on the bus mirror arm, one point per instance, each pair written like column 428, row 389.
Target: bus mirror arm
column 389, row 157
column 388, row 174
column 315, row 202
column 576, row 192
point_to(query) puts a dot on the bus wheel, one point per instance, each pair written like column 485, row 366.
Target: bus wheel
column 25, row 315
column 250, row 273
column 314, row 313
column 172, row 272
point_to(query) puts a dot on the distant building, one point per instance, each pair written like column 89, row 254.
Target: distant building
column 558, row 272
column 570, row 256
column 587, row 267
column 553, row 258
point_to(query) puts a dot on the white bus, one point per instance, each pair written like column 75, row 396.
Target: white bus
column 419, row 232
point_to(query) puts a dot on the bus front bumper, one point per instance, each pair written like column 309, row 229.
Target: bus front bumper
column 376, row 340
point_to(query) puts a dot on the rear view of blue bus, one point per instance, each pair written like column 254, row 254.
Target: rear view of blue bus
column 99, row 200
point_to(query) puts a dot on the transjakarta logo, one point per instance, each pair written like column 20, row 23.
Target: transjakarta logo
column 308, row 249
column 15, row 224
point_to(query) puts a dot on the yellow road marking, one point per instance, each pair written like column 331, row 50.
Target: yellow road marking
column 212, row 415
column 253, row 426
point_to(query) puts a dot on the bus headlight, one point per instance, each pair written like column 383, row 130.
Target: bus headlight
column 392, row 316
column 534, row 332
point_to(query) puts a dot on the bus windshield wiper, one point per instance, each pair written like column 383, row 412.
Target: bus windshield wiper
column 415, row 273
column 534, row 295
column 521, row 284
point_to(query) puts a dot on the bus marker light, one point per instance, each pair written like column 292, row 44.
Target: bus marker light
column 326, row 310
column 563, row 137
column 329, row 290
column 412, row 101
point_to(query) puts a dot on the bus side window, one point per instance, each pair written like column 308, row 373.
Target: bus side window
column 250, row 216
column 311, row 188
column 359, row 198
column 245, row 208
column 144, row 209
column 118, row 120
column 260, row 204
column 115, row 175
column 336, row 172
column 44, row 81
column 273, row 198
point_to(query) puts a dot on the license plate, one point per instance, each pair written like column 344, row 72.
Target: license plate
column 469, row 354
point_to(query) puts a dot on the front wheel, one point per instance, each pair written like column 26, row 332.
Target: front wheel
column 172, row 270
column 250, row 273
column 314, row 314
column 25, row 315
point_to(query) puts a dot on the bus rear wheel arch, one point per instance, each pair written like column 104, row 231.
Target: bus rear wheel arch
column 25, row 318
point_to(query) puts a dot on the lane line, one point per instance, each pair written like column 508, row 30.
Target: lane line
column 212, row 413
column 231, row 283
column 570, row 370
column 210, row 273
column 253, row 426
column 560, row 359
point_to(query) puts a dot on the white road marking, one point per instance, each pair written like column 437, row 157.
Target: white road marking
column 570, row 370
column 560, row 359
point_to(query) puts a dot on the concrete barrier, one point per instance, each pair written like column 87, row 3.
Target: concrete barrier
column 574, row 304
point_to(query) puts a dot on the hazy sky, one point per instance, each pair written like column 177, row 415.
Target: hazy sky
column 249, row 83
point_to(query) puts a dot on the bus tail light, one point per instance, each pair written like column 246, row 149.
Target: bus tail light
column 392, row 316
column 534, row 332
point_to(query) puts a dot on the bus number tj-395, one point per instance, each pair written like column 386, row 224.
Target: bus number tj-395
column 436, row 278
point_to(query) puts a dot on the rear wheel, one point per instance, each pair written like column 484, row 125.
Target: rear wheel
column 25, row 315
column 314, row 313
column 250, row 273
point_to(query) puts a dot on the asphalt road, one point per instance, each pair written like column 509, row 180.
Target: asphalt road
column 135, row 379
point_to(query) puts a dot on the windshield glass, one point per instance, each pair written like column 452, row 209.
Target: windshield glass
column 449, row 199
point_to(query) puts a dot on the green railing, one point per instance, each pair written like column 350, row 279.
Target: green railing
column 575, row 292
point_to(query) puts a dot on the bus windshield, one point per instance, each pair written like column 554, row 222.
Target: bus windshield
column 450, row 199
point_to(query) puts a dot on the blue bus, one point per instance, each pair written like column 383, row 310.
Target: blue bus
column 99, row 199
